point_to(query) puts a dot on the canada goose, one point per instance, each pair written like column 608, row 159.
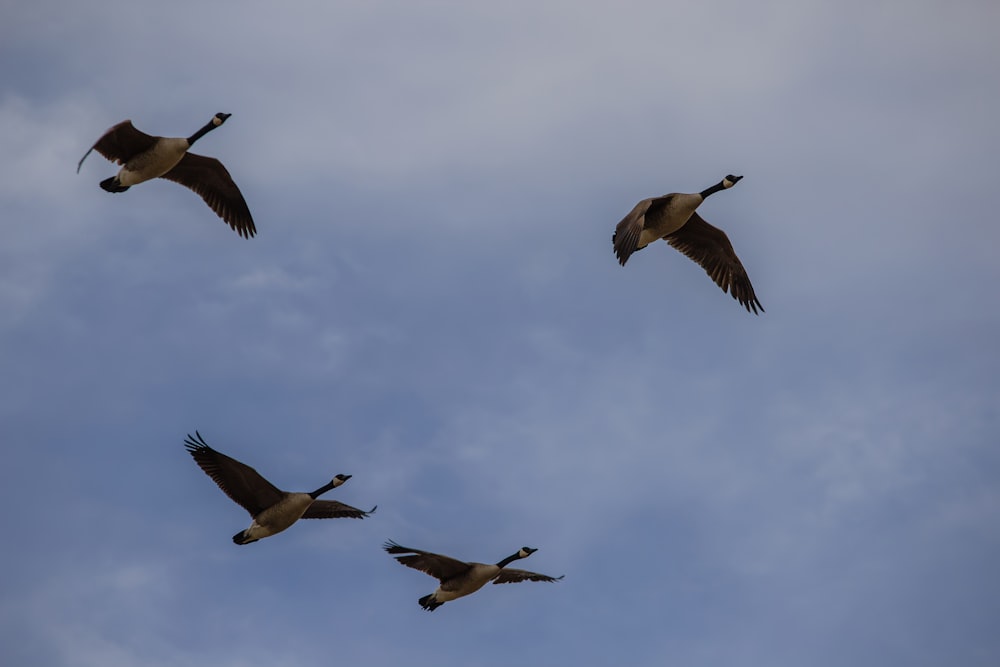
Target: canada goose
column 272, row 509
column 459, row 579
column 145, row 157
column 673, row 218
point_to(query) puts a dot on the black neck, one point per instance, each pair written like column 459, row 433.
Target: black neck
column 508, row 560
column 209, row 126
column 321, row 490
column 712, row 190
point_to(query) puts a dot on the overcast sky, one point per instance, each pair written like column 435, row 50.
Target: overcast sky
column 432, row 305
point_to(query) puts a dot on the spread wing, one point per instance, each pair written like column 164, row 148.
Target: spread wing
column 512, row 576
column 647, row 214
column 120, row 143
column 331, row 509
column 207, row 177
column 440, row 567
column 244, row 485
column 711, row 249
column 628, row 231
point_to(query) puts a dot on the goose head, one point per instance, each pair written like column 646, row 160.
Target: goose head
column 220, row 118
column 730, row 180
column 339, row 479
column 525, row 552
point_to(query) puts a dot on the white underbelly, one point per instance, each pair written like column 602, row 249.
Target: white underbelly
column 648, row 235
column 462, row 588
column 154, row 163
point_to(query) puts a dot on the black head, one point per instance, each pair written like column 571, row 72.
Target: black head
column 220, row 118
column 730, row 180
column 526, row 551
column 339, row 479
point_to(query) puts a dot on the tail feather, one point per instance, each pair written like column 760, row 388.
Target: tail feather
column 429, row 603
column 113, row 185
column 241, row 538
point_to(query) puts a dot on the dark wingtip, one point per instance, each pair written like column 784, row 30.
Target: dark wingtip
column 191, row 444
column 614, row 239
column 80, row 163
column 753, row 306
column 196, row 443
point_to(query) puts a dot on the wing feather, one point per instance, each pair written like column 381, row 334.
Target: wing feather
column 627, row 232
column 121, row 143
column 710, row 248
column 512, row 575
column 440, row 567
column 332, row 509
column 244, row 485
column 211, row 181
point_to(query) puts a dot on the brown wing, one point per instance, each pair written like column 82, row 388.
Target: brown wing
column 331, row 509
column 244, row 485
column 626, row 237
column 120, row 144
column 711, row 249
column 207, row 177
column 512, row 576
column 440, row 567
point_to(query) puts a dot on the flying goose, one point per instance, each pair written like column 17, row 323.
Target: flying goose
column 459, row 579
column 145, row 157
column 673, row 218
column 272, row 510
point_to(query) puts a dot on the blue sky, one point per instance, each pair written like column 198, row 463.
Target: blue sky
column 433, row 306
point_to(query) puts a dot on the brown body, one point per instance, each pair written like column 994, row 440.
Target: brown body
column 144, row 157
column 674, row 218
